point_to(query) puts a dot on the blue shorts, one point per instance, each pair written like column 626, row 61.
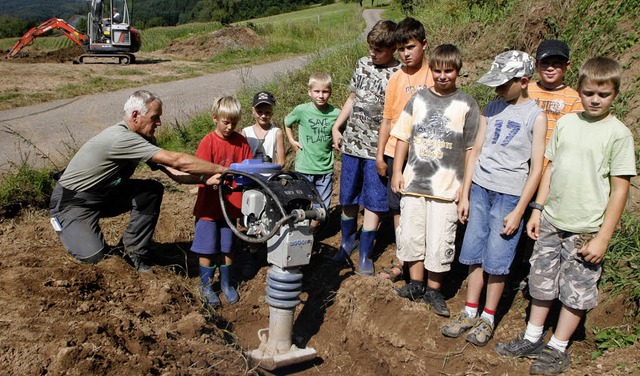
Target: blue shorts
column 393, row 199
column 324, row 186
column 361, row 185
column 483, row 243
column 212, row 237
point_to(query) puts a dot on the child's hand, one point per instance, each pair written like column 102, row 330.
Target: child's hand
column 337, row 139
column 213, row 180
column 463, row 209
column 397, row 183
column 533, row 225
column 593, row 252
column 381, row 166
column 511, row 223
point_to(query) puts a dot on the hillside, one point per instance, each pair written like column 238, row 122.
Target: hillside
column 42, row 9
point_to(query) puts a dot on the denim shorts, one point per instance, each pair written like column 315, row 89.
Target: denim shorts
column 483, row 243
column 558, row 271
column 361, row 185
column 212, row 237
column 324, row 186
column 392, row 197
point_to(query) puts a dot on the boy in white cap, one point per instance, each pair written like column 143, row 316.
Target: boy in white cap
column 501, row 175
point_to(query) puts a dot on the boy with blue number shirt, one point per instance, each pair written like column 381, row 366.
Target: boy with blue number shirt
column 501, row 176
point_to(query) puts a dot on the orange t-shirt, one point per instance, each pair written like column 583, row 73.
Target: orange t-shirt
column 400, row 88
column 555, row 103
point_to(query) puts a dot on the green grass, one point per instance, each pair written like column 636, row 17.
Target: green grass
column 26, row 186
column 158, row 38
column 52, row 43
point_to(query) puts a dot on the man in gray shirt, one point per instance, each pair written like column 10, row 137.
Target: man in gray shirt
column 97, row 183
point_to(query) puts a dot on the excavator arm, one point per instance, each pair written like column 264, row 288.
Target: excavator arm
column 55, row 23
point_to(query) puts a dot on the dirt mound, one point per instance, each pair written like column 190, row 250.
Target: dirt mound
column 61, row 317
column 209, row 45
column 29, row 55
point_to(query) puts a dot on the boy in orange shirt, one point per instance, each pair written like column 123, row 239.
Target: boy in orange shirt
column 413, row 76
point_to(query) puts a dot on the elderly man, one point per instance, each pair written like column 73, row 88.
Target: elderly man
column 97, row 184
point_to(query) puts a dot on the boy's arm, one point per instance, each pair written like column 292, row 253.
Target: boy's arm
column 383, row 137
column 593, row 252
column 512, row 221
column 280, row 153
column 533, row 225
column 471, row 158
column 295, row 144
column 400, row 155
column 338, row 126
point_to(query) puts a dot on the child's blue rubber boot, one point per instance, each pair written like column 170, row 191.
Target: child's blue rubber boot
column 349, row 227
column 365, row 265
column 230, row 293
column 206, row 289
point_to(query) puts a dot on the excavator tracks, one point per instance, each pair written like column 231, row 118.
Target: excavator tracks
column 122, row 59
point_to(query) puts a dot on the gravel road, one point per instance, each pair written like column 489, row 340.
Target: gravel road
column 52, row 127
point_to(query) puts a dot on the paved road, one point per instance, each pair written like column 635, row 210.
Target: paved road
column 54, row 127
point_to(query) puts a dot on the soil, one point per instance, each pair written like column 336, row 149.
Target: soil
column 58, row 316
column 62, row 317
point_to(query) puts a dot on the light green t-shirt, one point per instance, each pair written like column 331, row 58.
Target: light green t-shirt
column 314, row 134
column 585, row 154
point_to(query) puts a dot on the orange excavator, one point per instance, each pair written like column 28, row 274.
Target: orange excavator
column 110, row 38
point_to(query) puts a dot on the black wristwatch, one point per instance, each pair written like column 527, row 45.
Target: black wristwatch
column 535, row 205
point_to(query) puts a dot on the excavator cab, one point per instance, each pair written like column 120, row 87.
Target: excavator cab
column 110, row 32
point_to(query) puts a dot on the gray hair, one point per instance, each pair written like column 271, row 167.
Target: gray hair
column 139, row 101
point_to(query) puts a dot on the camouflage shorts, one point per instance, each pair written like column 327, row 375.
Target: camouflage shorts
column 558, row 271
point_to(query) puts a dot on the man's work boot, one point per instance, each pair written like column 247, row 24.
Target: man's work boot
column 140, row 263
column 365, row 265
column 349, row 227
column 206, row 288
column 230, row 293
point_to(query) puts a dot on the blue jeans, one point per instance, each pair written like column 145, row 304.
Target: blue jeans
column 483, row 243
column 324, row 186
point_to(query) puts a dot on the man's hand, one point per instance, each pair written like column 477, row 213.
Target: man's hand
column 296, row 145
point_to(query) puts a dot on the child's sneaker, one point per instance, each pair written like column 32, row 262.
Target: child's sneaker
column 481, row 332
column 435, row 299
column 550, row 362
column 460, row 324
column 411, row 291
column 520, row 347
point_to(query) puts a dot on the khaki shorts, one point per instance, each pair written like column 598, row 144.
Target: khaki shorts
column 558, row 271
column 427, row 232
